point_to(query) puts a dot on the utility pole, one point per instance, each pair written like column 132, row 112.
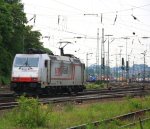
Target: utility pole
column 133, row 75
column 144, row 56
column 87, row 73
column 128, row 67
column 23, row 37
column 144, row 53
column 102, row 56
column 120, row 62
column 97, row 54
column 116, row 68
column 134, row 68
column 108, row 69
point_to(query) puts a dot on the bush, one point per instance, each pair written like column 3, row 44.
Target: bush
column 30, row 113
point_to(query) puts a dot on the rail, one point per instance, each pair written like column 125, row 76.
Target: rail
column 84, row 97
column 121, row 117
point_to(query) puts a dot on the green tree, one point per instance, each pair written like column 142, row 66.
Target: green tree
column 15, row 35
column 19, row 19
column 32, row 39
column 6, row 30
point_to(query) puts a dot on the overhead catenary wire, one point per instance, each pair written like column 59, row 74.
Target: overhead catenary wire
column 127, row 25
column 67, row 5
column 83, row 11
column 115, row 18
column 128, row 9
column 134, row 8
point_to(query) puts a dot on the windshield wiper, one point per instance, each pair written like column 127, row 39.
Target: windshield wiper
column 26, row 64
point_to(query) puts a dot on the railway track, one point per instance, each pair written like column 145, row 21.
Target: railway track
column 135, row 123
column 115, row 89
column 7, row 97
column 8, row 105
column 131, row 115
column 87, row 91
column 84, row 96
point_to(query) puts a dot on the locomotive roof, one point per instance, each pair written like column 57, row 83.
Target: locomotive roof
column 65, row 58
column 54, row 57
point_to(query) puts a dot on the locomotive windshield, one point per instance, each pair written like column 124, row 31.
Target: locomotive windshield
column 26, row 62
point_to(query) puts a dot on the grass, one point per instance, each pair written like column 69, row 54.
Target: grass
column 145, row 125
column 36, row 116
column 95, row 85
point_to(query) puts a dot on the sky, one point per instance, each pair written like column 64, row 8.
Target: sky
column 78, row 22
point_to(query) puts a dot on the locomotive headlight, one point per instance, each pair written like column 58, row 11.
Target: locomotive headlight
column 34, row 79
column 15, row 78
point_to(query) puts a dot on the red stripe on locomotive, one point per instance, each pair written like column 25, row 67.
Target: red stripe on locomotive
column 24, row 79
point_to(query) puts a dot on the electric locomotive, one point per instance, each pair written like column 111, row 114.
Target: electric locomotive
column 38, row 72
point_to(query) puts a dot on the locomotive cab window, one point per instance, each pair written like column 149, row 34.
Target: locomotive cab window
column 26, row 62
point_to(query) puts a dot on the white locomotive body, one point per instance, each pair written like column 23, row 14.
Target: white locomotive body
column 43, row 73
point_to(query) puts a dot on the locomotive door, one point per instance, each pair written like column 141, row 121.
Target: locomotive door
column 47, row 71
column 77, row 73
